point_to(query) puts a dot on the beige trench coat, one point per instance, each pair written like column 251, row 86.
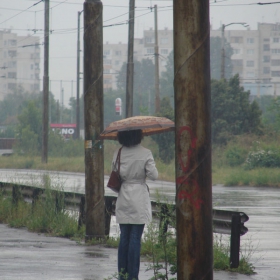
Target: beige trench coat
column 133, row 204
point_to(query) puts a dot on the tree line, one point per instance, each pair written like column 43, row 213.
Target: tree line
column 232, row 111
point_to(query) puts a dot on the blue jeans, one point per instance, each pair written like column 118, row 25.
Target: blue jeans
column 129, row 251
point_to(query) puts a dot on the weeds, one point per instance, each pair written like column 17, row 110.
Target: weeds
column 221, row 252
column 159, row 242
column 160, row 250
column 112, row 242
column 159, row 245
column 109, row 242
column 46, row 215
column 117, row 276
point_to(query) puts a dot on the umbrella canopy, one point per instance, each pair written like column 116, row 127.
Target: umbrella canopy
column 149, row 125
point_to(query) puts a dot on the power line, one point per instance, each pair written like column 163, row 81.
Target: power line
column 116, row 17
column 72, row 30
column 245, row 4
column 59, row 4
column 12, row 9
column 22, row 11
column 270, row 3
column 114, row 6
column 124, row 22
column 214, row 4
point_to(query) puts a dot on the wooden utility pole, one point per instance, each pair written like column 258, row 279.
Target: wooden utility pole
column 223, row 53
column 45, row 124
column 193, row 140
column 93, row 102
column 130, row 63
column 157, row 98
column 50, row 104
column 72, row 109
column 57, row 111
column 77, row 134
column 61, row 101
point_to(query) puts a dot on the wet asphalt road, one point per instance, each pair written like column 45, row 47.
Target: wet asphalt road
column 26, row 255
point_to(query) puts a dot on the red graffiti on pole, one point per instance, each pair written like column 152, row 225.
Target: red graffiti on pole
column 185, row 167
column 184, row 180
column 191, row 196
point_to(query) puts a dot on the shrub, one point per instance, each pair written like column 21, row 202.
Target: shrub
column 29, row 163
column 235, row 156
column 28, row 143
column 263, row 158
column 59, row 147
column 166, row 141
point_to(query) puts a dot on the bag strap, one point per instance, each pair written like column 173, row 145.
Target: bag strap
column 118, row 160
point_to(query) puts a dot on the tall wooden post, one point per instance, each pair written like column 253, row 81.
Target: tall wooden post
column 77, row 134
column 223, row 53
column 44, row 158
column 193, row 139
column 93, row 102
column 130, row 63
column 157, row 98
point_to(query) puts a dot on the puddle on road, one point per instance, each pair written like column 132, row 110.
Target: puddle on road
column 95, row 255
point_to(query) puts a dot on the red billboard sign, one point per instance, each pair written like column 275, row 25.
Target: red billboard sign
column 67, row 130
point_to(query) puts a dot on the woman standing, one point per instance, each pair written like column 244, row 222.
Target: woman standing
column 133, row 207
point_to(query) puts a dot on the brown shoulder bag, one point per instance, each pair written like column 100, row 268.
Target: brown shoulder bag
column 115, row 181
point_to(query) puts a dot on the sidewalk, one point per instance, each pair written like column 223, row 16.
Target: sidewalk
column 29, row 256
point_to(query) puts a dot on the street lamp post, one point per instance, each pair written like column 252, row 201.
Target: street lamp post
column 223, row 46
column 77, row 136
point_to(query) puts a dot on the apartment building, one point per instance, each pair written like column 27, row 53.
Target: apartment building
column 256, row 57
column 114, row 55
column 19, row 62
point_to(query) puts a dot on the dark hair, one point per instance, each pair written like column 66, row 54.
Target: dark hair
column 130, row 138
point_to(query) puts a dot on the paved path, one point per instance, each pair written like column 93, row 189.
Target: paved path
column 31, row 256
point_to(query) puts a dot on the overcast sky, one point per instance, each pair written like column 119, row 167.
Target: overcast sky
column 27, row 17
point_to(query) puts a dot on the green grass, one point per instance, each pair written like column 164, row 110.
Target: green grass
column 43, row 217
column 221, row 254
column 238, row 176
column 221, row 174
column 223, row 157
column 76, row 164
column 71, row 164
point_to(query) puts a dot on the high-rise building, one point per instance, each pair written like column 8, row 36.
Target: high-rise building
column 19, row 62
column 115, row 55
column 256, row 57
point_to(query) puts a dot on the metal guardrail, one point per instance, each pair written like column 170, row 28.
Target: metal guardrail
column 231, row 222
column 224, row 222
